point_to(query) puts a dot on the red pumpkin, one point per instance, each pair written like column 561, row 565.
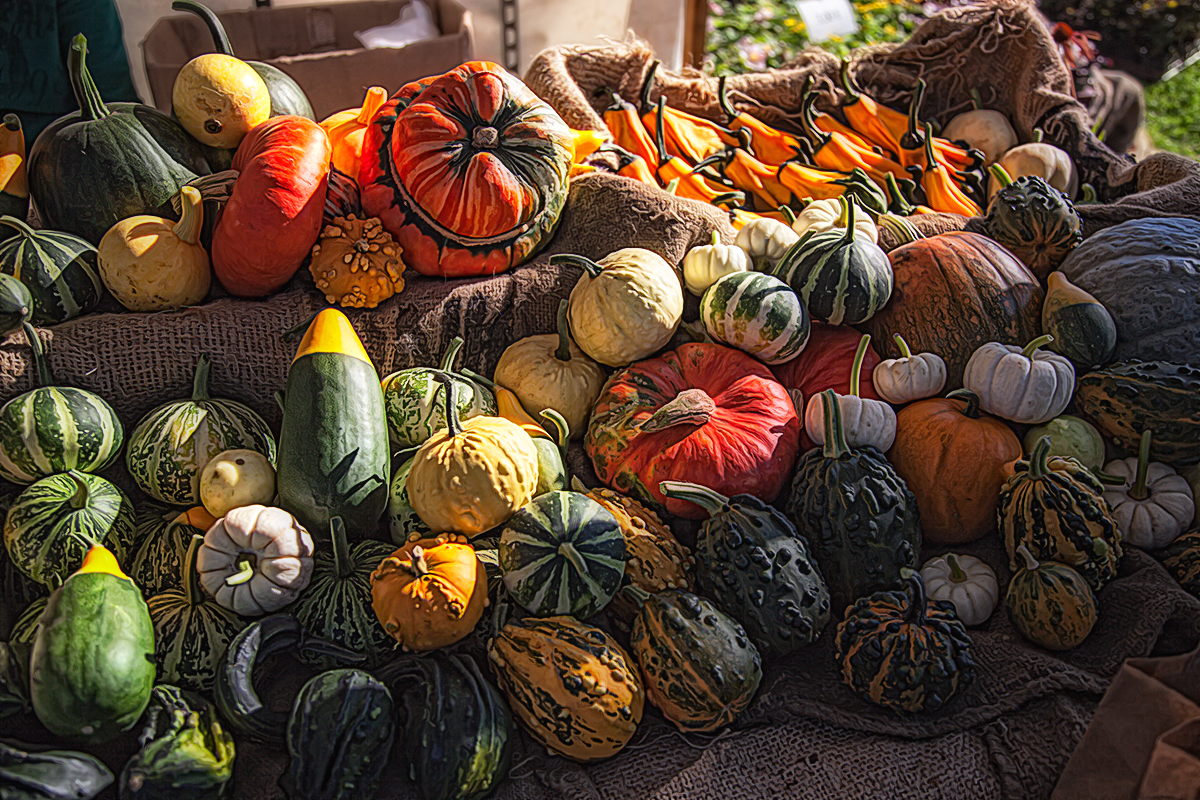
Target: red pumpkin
column 467, row 171
column 953, row 293
column 703, row 413
column 825, row 363
column 273, row 216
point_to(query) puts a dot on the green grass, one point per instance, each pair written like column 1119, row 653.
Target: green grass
column 1173, row 113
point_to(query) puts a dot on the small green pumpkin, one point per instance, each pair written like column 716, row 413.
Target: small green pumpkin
column 410, row 400
column 59, row 269
column 403, row 522
column 1036, row 222
column 163, row 535
column 1050, row 603
column 756, row 313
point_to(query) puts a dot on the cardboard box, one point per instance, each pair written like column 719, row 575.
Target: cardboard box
column 315, row 45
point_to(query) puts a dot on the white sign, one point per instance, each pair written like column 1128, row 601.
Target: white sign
column 826, row 18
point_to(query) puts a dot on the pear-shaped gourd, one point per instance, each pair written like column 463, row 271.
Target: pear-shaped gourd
column 218, row 99
column 1082, row 328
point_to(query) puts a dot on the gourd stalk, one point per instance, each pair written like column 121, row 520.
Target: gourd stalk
column 192, row 218
column 856, row 366
column 343, row 567
column 956, row 572
column 1031, row 563
column 711, row 501
column 590, row 267
column 563, row 353
column 453, row 423
column 903, row 345
column 835, row 431
column 972, row 400
column 245, row 565
column 1033, row 346
column 40, row 364
column 191, row 575
column 1000, row 174
column 1038, row 458
column 1138, row 491
column 200, row 381
column 91, row 106
column 915, row 614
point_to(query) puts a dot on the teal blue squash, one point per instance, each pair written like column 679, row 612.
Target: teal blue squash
column 58, row 268
column 756, row 313
column 410, row 400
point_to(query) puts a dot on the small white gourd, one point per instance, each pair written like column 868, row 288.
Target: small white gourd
column 867, row 423
column 1155, row 505
column 706, row 264
column 830, row 214
column 1029, row 385
column 966, row 582
column 902, row 380
column 766, row 240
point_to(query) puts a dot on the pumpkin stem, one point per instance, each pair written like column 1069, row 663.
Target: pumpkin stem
column 568, row 551
column 904, row 351
column 451, row 354
column 40, row 364
column 200, row 380
column 1038, row 466
column 897, row 198
column 91, row 106
column 590, row 267
column 192, row 219
column 1038, row 135
column 635, row 593
column 859, row 355
column 659, row 139
column 915, row 615
column 956, row 572
column 1031, row 563
column 20, row 226
column 976, row 99
column 723, row 99
column 560, row 431
column 563, row 353
column 79, row 498
column 690, row 407
column 220, row 38
column 972, row 409
column 847, row 86
column 374, row 100
column 835, row 431
column 1138, row 490
column 1033, row 346
column 789, row 216
column 1000, row 174
column 191, row 575
column 453, row 423
column 245, row 565
column 418, row 566
column 343, row 567
column 912, row 138
column 930, row 159
column 712, row 502
column 485, row 137
column 1106, row 479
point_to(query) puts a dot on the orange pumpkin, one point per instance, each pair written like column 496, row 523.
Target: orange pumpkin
column 954, row 461
column 346, row 128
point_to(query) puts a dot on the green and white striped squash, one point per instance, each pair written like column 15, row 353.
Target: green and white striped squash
column 563, row 553
column 411, row 405
column 169, row 447
column 1051, row 604
column 58, row 269
column 163, row 536
column 24, row 630
column 191, row 632
column 16, row 304
column 54, row 523
column 842, row 278
column 403, row 522
column 756, row 313
column 52, row 429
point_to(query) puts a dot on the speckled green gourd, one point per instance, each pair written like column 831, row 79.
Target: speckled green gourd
column 1127, row 398
column 1050, row 603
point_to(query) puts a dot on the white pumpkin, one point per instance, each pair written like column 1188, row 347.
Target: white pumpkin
column 830, row 214
column 1192, row 475
column 1155, row 505
column 986, row 130
column 705, row 265
column 867, row 423
column 1029, row 385
column 256, row 560
column 765, row 240
column 902, row 380
column 1040, row 159
column 966, row 582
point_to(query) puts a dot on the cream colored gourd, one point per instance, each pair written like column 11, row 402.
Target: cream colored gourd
column 902, row 380
column 255, row 560
column 867, row 423
column 705, row 265
column 966, row 582
column 986, row 130
column 1155, row 505
column 1040, row 159
column 151, row 263
column 236, row 478
column 832, row 213
column 1029, row 385
column 218, row 99
column 550, row 371
column 624, row 307
column 474, row 475
column 766, row 241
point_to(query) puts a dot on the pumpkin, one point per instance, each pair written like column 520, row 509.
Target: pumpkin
column 966, row 583
column 1125, row 399
column 570, row 685
column 905, row 652
column 410, row 400
column 150, row 263
column 430, row 593
column 16, row 304
column 163, row 536
column 954, row 292
column 14, row 183
column 1082, row 328
column 92, row 168
column 866, row 423
column 57, row 268
column 346, row 130
column 1056, row 508
column 907, row 378
column 562, row 554
column 218, row 99
column 765, row 240
column 275, row 209
column 356, row 263
column 403, row 522
column 953, row 459
column 705, row 263
column 1181, row 558
column 857, row 513
column 1153, row 505
column 1072, row 437
column 171, row 445
column 191, row 631
column 624, row 307
column 1024, row 385
column 472, row 476
column 984, row 130
column 1051, row 604
column 756, row 313
column 1042, row 159
column 702, row 413
column 1036, row 222
column 255, row 560
column 832, row 214
column 236, row 478
column 467, row 170
column 1126, row 268
column 551, row 371
column 698, row 666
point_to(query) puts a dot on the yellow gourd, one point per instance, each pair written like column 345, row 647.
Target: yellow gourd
column 218, row 99
column 236, row 478
column 150, row 263
column 346, row 128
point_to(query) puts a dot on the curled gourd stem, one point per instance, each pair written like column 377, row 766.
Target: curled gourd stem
column 590, row 267
column 1038, row 135
column 568, row 551
column 79, row 498
column 192, row 218
column 972, row 400
column 1031, row 563
column 1033, row 346
column 560, row 431
column 1000, row 174
column 856, row 367
column 835, row 431
column 711, row 501
column 91, row 105
column 788, row 215
column 453, row 423
column 956, row 572
column 659, row 138
column 200, row 379
column 1138, row 490
column 903, row 345
column 1038, row 466
column 912, row 137
column 40, row 364
column 635, row 593
column 915, row 614
column 844, row 77
column 647, row 85
column 451, row 354
column 563, row 353
column 245, row 564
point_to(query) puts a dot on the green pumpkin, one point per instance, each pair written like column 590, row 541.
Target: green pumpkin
column 24, row 630
column 54, row 522
column 1070, row 437
column 58, row 268
column 163, row 535
column 563, row 553
column 403, row 522
column 1050, row 603
column 751, row 562
column 410, row 400
column 16, row 304
column 52, row 429
column 756, row 313
column 1034, row 221
column 856, row 512
column 1125, row 399
column 1181, row 558
column 169, row 447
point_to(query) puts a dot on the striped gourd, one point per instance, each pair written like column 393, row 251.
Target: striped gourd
column 16, row 304
column 1050, row 603
column 24, row 630
column 163, row 536
column 16, row 589
column 54, row 522
column 169, row 447
column 411, row 405
column 58, row 268
column 191, row 632
column 403, row 522
column 563, row 553
column 52, row 429
column 842, row 278
column 757, row 313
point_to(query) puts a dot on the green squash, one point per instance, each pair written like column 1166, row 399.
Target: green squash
column 163, row 536
column 92, row 665
column 1070, row 437
column 99, row 165
column 552, row 454
column 410, row 400
column 1181, row 558
column 16, row 304
column 403, row 523
column 857, row 513
column 756, row 313
column 17, row 590
column 50, row 775
column 750, row 560
column 1082, row 328
column 1034, row 221
column 1050, row 603
column 169, row 447
column 52, row 524
column 52, row 429
column 563, row 553
column 1125, row 399
column 59, row 270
